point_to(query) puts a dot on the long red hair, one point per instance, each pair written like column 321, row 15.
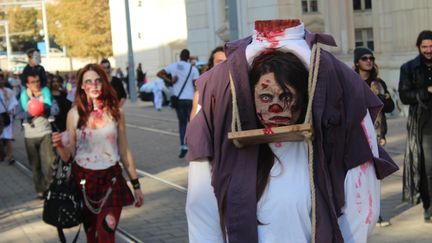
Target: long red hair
column 108, row 96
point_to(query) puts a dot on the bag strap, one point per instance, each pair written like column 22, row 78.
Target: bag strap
column 1, row 100
column 62, row 237
column 184, row 84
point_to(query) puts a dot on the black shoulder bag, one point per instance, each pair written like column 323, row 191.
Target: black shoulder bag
column 174, row 101
column 63, row 206
column 5, row 115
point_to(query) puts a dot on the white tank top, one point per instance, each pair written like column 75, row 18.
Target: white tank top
column 97, row 149
column 285, row 206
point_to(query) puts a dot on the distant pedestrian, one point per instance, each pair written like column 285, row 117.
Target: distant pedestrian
column 96, row 141
column 140, row 75
column 33, row 65
column 37, row 132
column 158, row 99
column 8, row 103
column 415, row 90
column 116, row 83
column 71, row 87
column 183, row 78
column 217, row 56
column 365, row 65
column 64, row 105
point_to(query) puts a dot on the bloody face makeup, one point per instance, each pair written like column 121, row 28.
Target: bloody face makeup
column 274, row 106
column 92, row 84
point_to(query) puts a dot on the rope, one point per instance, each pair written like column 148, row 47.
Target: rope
column 235, row 121
column 312, row 79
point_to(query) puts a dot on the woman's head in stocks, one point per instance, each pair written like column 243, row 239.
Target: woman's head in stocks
column 279, row 82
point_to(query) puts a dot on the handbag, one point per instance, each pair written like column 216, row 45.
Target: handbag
column 5, row 115
column 6, row 118
column 63, row 206
column 174, row 99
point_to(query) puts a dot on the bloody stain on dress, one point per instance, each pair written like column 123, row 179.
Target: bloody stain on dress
column 369, row 215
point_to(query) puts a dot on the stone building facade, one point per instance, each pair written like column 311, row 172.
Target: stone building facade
column 161, row 28
column 389, row 27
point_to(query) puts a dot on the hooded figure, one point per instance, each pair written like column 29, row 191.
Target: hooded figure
column 328, row 192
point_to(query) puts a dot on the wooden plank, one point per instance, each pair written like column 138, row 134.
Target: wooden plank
column 296, row 132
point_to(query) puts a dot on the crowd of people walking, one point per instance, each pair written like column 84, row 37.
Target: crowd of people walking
column 321, row 185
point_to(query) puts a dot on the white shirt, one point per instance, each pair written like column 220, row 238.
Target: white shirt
column 180, row 70
column 284, row 209
column 10, row 102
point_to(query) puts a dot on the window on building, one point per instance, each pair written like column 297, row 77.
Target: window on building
column 226, row 11
column 362, row 4
column 364, row 37
column 310, row 6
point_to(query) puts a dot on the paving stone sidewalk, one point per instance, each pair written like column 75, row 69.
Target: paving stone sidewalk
column 21, row 212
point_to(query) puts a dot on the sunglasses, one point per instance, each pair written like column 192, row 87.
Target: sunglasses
column 365, row 58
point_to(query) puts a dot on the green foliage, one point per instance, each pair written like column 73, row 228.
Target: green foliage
column 24, row 26
column 83, row 26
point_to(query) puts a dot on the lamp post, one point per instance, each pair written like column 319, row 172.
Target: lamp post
column 5, row 23
column 45, row 28
column 131, row 66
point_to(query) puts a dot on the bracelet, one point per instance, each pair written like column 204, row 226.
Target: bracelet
column 135, row 183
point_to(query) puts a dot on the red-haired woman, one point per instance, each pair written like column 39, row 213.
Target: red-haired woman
column 96, row 140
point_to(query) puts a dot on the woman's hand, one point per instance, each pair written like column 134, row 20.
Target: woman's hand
column 139, row 198
column 57, row 140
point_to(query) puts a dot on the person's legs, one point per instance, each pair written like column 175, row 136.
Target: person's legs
column 33, row 156
column 427, row 173
column 48, row 158
column 2, row 150
column 90, row 223
column 157, row 99
column 183, row 112
column 107, row 222
column 9, row 149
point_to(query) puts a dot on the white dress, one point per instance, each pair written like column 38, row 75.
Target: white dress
column 285, row 206
column 284, row 209
column 10, row 102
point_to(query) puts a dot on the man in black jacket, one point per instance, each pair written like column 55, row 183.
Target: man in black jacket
column 33, row 65
column 115, row 82
column 415, row 90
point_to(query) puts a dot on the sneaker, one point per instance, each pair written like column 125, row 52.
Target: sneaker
column 183, row 153
column 11, row 162
column 382, row 222
column 427, row 215
column 40, row 196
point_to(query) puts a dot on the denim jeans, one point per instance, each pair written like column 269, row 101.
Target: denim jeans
column 183, row 111
column 41, row 156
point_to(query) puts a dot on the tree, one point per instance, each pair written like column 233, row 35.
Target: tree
column 23, row 27
column 83, row 26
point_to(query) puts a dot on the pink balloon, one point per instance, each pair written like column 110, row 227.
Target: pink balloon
column 35, row 107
